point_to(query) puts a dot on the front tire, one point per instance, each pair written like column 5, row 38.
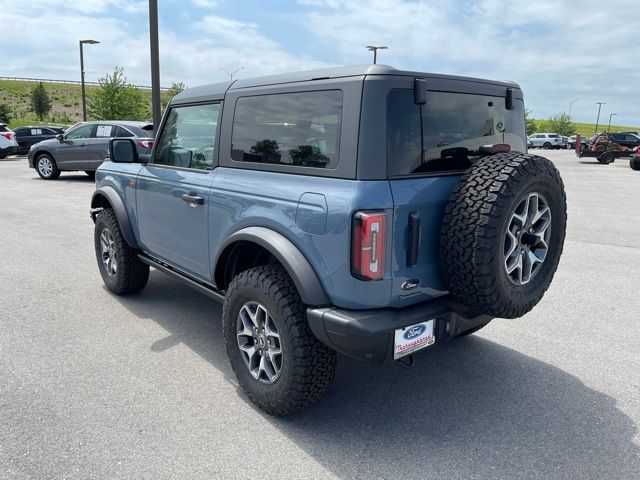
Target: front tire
column 46, row 167
column 546, row 145
column 634, row 163
column 278, row 361
column 121, row 269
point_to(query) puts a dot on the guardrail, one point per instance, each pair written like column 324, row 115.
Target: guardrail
column 73, row 82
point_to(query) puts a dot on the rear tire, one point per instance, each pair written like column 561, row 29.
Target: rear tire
column 546, row 145
column 121, row 269
column 607, row 158
column 46, row 167
column 503, row 233
column 634, row 163
column 303, row 369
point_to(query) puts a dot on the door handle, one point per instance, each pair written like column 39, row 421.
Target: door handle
column 414, row 235
column 193, row 199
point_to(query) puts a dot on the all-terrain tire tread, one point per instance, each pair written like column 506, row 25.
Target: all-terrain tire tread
column 313, row 363
column 132, row 275
column 472, row 227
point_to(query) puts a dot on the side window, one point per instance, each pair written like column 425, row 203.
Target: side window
column 83, row 131
column 23, row 132
column 298, row 129
column 103, row 131
column 187, row 139
column 122, row 132
column 36, row 131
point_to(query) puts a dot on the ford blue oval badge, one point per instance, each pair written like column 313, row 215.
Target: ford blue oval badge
column 414, row 332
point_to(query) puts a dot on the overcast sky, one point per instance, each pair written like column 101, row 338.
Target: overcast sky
column 555, row 50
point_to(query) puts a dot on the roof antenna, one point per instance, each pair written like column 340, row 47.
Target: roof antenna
column 375, row 49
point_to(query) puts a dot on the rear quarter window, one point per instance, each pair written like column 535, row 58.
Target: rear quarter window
column 447, row 132
column 298, row 129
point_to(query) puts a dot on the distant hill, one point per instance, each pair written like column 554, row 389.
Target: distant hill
column 66, row 108
column 66, row 100
column 589, row 129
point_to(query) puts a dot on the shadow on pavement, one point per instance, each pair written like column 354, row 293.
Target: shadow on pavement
column 468, row 409
column 67, row 178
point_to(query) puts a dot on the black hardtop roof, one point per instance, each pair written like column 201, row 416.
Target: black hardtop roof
column 218, row 90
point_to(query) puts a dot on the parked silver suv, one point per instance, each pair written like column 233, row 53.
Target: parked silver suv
column 85, row 145
column 545, row 140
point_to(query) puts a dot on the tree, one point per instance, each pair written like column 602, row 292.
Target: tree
column 116, row 99
column 5, row 113
column 529, row 123
column 174, row 89
column 40, row 102
column 560, row 123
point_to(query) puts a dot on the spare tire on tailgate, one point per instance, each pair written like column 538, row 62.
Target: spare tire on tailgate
column 503, row 233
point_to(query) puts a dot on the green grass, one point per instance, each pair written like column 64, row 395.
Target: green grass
column 588, row 129
column 66, row 101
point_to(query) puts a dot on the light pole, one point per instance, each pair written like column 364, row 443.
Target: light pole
column 598, row 119
column 155, row 63
column 609, row 127
column 375, row 49
column 571, row 104
column 231, row 74
column 84, row 94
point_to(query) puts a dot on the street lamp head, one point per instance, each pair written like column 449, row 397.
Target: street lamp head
column 89, row 42
column 372, row 48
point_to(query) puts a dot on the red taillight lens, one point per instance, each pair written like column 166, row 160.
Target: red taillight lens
column 145, row 143
column 367, row 244
column 6, row 135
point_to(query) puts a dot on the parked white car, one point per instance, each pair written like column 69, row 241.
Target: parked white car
column 8, row 144
column 546, row 141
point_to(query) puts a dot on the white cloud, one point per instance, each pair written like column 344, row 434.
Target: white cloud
column 205, row 3
column 556, row 50
column 211, row 43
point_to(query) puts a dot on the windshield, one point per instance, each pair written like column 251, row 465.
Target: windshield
column 447, row 133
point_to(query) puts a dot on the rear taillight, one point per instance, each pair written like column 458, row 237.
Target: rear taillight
column 145, row 143
column 367, row 245
column 6, row 135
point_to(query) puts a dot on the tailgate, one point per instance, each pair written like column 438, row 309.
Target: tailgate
column 420, row 200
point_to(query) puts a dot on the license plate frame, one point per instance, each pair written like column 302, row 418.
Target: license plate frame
column 414, row 337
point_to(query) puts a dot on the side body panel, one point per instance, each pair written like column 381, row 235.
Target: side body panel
column 249, row 198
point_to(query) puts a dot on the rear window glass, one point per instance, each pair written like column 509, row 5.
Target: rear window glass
column 446, row 133
column 122, row 132
column 298, row 129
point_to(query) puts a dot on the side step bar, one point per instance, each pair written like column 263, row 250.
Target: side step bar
column 195, row 284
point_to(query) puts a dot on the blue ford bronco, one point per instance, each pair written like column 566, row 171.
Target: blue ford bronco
column 362, row 210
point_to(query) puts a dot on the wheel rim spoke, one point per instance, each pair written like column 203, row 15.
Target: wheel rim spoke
column 259, row 342
column 108, row 252
column 526, row 240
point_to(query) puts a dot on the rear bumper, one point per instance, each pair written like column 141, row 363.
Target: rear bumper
column 369, row 334
column 9, row 150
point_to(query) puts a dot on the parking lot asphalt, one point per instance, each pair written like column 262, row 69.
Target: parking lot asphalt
column 93, row 386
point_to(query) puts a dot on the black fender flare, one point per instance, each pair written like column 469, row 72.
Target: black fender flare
column 111, row 196
column 297, row 266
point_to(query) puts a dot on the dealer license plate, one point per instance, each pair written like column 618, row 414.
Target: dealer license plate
column 412, row 338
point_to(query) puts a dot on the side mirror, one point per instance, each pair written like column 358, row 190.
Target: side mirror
column 60, row 137
column 123, row 150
